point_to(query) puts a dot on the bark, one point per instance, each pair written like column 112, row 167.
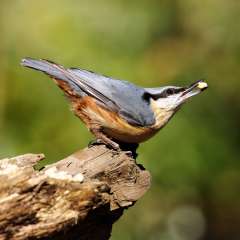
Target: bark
column 79, row 197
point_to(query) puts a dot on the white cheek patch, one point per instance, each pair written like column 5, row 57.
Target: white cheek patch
column 168, row 103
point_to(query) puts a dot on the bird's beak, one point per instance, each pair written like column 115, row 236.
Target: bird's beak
column 194, row 89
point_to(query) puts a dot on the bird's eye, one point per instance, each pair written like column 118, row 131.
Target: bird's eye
column 169, row 91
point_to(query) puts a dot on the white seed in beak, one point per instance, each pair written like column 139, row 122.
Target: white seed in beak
column 202, row 85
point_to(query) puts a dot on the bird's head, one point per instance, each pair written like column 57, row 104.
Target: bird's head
column 172, row 97
column 167, row 100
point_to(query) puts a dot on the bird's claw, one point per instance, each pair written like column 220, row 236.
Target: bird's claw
column 99, row 141
column 129, row 153
column 95, row 142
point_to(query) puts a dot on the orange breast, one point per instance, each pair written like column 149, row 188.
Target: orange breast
column 92, row 114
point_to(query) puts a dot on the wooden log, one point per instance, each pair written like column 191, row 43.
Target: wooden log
column 79, row 197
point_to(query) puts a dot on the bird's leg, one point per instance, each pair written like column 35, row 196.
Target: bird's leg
column 95, row 142
column 102, row 138
column 130, row 149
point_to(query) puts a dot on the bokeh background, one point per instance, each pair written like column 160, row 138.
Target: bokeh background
column 194, row 161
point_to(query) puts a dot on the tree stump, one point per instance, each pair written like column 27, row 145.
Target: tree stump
column 79, row 197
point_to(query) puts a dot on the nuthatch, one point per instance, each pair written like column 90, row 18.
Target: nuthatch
column 115, row 110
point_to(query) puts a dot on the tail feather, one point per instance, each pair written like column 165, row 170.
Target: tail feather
column 52, row 69
column 75, row 84
column 55, row 71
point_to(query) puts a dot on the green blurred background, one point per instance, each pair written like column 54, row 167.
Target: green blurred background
column 194, row 161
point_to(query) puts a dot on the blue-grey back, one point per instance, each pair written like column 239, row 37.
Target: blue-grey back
column 119, row 96
column 128, row 97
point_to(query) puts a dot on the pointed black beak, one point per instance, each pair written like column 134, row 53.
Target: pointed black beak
column 196, row 87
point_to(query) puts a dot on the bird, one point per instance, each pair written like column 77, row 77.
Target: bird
column 116, row 111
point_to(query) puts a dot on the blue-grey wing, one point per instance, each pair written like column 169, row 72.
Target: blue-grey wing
column 119, row 95
column 116, row 95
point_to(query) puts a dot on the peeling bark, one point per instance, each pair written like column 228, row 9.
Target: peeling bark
column 79, row 197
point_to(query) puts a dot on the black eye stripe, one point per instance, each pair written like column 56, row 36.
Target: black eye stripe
column 162, row 94
column 169, row 92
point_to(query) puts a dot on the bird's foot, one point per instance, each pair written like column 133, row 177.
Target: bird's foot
column 95, row 142
column 110, row 144
column 102, row 138
column 130, row 149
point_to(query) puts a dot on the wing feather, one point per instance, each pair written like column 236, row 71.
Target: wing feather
column 119, row 96
column 129, row 98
